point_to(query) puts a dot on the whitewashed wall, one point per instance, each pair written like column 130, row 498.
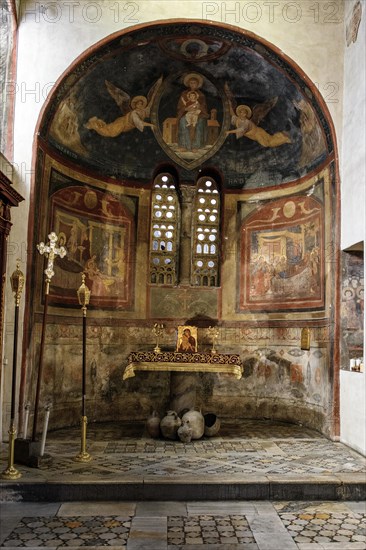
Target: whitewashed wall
column 353, row 226
column 353, row 160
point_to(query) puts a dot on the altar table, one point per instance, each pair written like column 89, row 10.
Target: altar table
column 219, row 363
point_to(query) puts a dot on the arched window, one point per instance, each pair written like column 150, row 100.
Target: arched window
column 206, row 233
column 164, row 233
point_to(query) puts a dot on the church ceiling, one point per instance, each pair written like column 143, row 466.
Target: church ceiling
column 191, row 95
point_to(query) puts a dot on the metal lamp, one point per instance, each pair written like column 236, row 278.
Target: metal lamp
column 83, row 293
column 17, row 285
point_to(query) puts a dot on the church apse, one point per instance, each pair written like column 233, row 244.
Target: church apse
column 201, row 99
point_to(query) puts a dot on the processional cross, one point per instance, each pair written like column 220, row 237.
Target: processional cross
column 50, row 252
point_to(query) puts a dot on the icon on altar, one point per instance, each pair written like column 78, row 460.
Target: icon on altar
column 187, row 339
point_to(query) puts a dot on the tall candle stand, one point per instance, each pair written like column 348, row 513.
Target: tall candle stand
column 84, row 297
column 51, row 252
column 17, row 284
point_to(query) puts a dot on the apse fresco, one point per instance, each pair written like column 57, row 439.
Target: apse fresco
column 281, row 256
column 192, row 100
column 194, row 95
column 98, row 234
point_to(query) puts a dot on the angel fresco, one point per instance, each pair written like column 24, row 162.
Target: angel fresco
column 247, row 120
column 134, row 112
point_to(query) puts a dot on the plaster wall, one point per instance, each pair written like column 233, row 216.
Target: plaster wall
column 280, row 381
column 353, row 227
column 353, row 165
column 353, row 418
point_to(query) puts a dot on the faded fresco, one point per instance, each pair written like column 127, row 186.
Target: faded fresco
column 194, row 100
column 197, row 101
column 352, row 306
column 134, row 110
column 97, row 231
column 280, row 381
column 191, row 121
column 282, row 262
column 354, row 23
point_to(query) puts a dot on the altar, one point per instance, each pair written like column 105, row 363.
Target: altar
column 183, row 362
column 184, row 368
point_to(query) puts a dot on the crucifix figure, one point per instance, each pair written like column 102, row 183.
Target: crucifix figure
column 50, row 252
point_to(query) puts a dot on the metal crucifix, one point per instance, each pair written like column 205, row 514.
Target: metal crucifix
column 50, row 252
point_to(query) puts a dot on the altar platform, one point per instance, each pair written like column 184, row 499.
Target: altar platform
column 247, row 460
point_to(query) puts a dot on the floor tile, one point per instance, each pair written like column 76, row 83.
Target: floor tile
column 70, row 531
column 97, row 509
column 156, row 509
column 148, row 533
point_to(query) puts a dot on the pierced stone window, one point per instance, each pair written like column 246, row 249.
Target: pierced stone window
column 165, row 224
column 206, row 234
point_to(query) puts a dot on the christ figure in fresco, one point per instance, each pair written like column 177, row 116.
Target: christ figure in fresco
column 193, row 109
column 192, row 115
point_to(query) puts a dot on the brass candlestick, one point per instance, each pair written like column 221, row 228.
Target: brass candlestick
column 158, row 332
column 50, row 251
column 213, row 333
column 17, row 284
column 83, row 293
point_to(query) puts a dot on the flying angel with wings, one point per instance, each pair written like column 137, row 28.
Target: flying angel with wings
column 134, row 112
column 247, row 120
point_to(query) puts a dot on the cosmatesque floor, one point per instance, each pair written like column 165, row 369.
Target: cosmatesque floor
column 228, row 525
column 253, row 453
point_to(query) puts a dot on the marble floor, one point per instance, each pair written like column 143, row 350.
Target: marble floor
column 64, row 503
column 229, row 525
column 257, row 448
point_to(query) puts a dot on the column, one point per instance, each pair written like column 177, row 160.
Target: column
column 188, row 192
column 182, row 391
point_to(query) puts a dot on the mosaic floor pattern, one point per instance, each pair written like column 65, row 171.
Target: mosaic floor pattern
column 251, row 448
column 209, row 529
column 229, row 525
column 73, row 531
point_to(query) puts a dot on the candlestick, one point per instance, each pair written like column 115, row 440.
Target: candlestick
column 83, row 293
column 213, row 332
column 17, row 284
column 158, row 332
